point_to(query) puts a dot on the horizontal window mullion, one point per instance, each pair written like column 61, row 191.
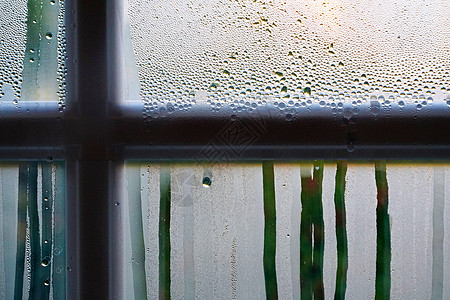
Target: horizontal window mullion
column 400, row 133
column 32, row 153
column 352, row 133
column 224, row 154
column 35, row 110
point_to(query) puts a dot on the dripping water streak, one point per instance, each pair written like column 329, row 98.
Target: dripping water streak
column 136, row 231
column 438, row 233
column 47, row 232
column 59, row 235
column 188, row 234
column 31, row 69
column 35, row 273
column 21, row 229
column 295, row 232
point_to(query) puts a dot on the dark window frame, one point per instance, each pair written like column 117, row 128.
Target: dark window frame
column 98, row 131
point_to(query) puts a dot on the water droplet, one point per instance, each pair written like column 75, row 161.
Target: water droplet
column 47, row 282
column 49, row 36
column 206, row 182
column 350, row 147
column 57, row 250
column 374, row 105
column 279, row 74
column 45, row 262
column 307, row 91
column 375, row 110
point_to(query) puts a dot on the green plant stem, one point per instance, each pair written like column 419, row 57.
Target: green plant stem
column 311, row 258
column 383, row 264
column 270, row 274
column 164, row 234
column 341, row 231
column 319, row 232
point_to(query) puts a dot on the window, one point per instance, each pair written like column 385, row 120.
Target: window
column 96, row 128
column 33, row 262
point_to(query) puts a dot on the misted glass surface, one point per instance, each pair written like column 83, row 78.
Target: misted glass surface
column 288, row 231
column 32, row 50
column 32, row 234
column 291, row 53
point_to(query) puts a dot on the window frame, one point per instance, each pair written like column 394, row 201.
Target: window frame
column 93, row 136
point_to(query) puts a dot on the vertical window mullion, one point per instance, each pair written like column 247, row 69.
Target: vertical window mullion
column 90, row 258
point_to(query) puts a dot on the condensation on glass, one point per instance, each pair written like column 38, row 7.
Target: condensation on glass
column 32, row 230
column 291, row 53
column 32, row 51
column 359, row 231
column 32, row 208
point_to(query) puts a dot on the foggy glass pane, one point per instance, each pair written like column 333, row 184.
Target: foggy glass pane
column 32, row 235
column 32, row 50
column 292, row 53
column 247, row 231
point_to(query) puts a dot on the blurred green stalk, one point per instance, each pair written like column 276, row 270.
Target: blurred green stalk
column 270, row 275
column 312, row 233
column 164, row 234
column 341, row 231
column 383, row 264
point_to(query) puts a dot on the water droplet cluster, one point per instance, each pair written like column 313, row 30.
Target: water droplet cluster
column 62, row 55
column 292, row 53
column 13, row 17
column 22, row 59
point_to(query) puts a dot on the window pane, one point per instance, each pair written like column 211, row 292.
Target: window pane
column 293, row 53
column 247, row 231
column 32, row 235
column 32, row 50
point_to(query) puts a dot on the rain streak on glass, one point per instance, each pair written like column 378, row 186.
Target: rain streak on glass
column 292, row 53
